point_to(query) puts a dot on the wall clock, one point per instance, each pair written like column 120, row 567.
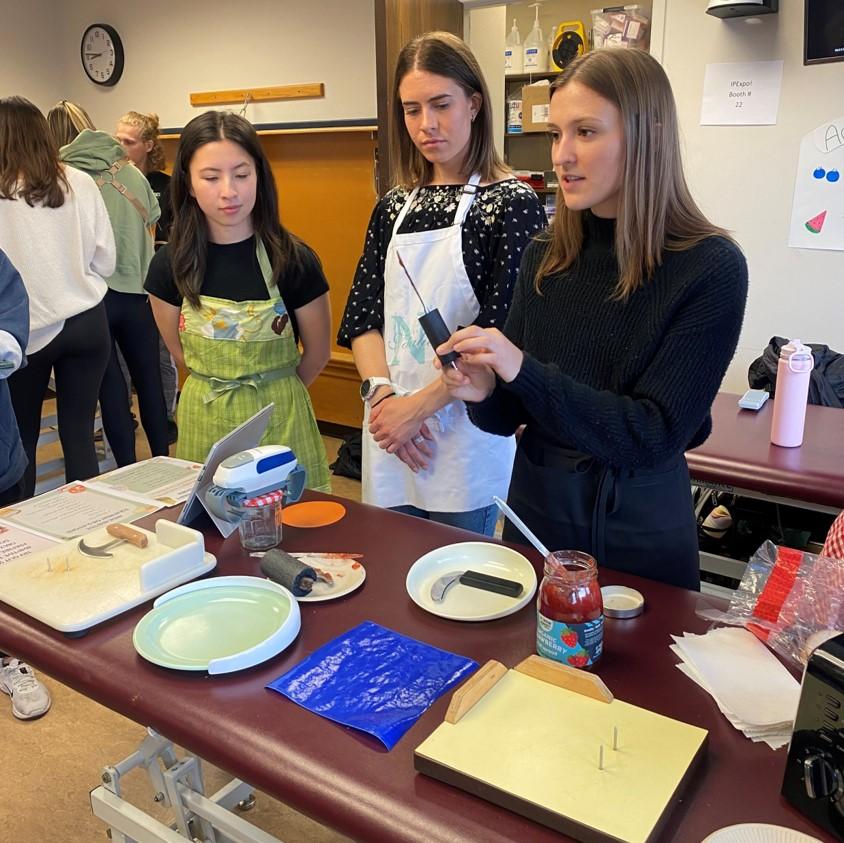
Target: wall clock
column 102, row 54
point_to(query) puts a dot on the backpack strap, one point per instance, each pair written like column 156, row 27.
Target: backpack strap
column 113, row 170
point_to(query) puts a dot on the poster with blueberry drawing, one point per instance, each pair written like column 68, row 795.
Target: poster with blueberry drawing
column 817, row 216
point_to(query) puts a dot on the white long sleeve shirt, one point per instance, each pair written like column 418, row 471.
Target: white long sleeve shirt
column 63, row 254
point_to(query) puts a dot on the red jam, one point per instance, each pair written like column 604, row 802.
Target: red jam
column 570, row 611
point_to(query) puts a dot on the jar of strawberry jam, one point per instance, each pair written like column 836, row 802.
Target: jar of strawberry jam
column 569, row 610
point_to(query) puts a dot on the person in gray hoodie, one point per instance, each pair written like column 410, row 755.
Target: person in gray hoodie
column 133, row 211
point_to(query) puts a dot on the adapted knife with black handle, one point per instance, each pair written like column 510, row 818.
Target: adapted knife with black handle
column 475, row 579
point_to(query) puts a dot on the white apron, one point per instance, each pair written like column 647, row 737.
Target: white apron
column 469, row 466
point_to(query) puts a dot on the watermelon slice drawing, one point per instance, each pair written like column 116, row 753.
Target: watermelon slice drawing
column 816, row 223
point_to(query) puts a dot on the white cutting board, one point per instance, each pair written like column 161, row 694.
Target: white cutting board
column 71, row 591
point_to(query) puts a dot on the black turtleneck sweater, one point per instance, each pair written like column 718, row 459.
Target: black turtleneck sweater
column 628, row 382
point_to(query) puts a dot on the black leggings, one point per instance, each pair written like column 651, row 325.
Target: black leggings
column 133, row 330
column 78, row 357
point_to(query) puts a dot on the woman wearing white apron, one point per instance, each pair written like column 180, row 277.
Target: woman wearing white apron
column 460, row 222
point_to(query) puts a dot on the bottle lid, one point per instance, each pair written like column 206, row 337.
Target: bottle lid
column 622, row 602
column 798, row 355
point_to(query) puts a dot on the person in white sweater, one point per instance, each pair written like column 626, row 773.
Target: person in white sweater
column 55, row 229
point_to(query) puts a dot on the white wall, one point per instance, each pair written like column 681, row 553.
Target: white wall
column 30, row 33
column 743, row 176
column 175, row 47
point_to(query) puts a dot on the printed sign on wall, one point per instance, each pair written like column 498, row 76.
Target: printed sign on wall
column 741, row 93
column 817, row 215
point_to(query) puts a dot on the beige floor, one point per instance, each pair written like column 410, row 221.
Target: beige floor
column 49, row 765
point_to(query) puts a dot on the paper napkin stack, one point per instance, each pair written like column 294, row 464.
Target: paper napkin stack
column 752, row 689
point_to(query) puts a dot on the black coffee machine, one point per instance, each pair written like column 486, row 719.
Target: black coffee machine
column 814, row 772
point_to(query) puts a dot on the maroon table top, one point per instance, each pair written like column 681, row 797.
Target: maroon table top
column 347, row 780
column 739, row 454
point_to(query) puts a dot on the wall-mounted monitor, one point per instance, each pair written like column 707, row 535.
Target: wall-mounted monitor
column 823, row 32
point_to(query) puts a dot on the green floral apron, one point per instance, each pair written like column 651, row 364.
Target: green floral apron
column 242, row 356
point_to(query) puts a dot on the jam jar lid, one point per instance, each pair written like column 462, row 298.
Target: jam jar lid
column 622, row 602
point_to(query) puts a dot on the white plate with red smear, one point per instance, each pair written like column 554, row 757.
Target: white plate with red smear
column 344, row 569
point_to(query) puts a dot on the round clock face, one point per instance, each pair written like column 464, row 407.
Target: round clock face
column 102, row 54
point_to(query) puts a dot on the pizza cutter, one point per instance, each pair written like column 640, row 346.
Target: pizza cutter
column 121, row 533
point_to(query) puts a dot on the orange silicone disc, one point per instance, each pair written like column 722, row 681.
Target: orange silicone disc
column 312, row 514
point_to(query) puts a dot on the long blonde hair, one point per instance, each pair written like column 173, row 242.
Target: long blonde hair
column 446, row 55
column 66, row 120
column 148, row 127
column 656, row 211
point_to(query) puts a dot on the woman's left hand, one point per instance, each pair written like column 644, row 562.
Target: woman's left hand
column 486, row 346
column 395, row 421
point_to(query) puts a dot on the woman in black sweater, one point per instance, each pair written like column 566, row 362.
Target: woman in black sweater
column 625, row 317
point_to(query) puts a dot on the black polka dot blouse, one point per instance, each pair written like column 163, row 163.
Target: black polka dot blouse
column 502, row 220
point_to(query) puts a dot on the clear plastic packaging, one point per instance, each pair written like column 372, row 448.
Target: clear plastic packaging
column 621, row 26
column 790, row 599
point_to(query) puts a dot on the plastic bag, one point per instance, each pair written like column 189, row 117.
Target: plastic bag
column 790, row 599
column 373, row 679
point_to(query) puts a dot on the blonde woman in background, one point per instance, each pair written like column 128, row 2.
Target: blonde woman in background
column 137, row 133
column 133, row 211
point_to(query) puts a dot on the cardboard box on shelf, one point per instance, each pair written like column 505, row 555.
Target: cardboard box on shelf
column 535, row 99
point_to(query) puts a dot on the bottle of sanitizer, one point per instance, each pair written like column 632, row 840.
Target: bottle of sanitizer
column 513, row 54
column 536, row 50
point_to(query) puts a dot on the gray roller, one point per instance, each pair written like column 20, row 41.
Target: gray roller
column 284, row 569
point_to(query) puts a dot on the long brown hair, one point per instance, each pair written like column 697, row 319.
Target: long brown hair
column 445, row 55
column 147, row 126
column 67, row 120
column 656, row 211
column 189, row 236
column 30, row 168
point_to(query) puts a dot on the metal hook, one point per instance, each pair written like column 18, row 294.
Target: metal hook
column 246, row 100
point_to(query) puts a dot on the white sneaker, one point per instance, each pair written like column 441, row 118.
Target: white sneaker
column 29, row 697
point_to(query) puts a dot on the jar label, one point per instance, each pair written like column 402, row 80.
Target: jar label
column 574, row 644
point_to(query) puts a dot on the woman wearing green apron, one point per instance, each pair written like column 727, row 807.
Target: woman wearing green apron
column 233, row 293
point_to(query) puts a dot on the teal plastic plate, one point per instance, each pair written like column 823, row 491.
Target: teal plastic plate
column 218, row 625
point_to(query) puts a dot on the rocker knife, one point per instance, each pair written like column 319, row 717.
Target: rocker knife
column 475, row 579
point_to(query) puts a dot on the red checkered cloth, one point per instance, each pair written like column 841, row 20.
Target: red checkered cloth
column 263, row 500
column 834, row 545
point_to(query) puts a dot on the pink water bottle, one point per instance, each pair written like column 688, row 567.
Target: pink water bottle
column 793, row 373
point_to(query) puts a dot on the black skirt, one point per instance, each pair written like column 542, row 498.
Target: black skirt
column 640, row 521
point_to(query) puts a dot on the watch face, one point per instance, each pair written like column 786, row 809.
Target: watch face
column 365, row 389
column 102, row 54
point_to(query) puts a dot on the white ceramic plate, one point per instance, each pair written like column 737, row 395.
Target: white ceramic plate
column 463, row 603
column 345, row 568
column 759, row 833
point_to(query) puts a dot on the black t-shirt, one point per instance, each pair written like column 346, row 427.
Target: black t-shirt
column 160, row 184
column 232, row 272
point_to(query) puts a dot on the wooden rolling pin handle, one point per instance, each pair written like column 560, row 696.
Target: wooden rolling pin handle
column 121, row 531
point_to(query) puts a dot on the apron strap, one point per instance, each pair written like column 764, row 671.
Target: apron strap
column 266, row 267
column 466, row 198
column 112, row 171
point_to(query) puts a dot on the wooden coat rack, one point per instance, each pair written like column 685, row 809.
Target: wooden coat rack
column 308, row 90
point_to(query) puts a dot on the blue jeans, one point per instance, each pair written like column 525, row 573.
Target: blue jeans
column 477, row 520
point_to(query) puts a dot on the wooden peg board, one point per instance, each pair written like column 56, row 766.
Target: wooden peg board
column 533, row 747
